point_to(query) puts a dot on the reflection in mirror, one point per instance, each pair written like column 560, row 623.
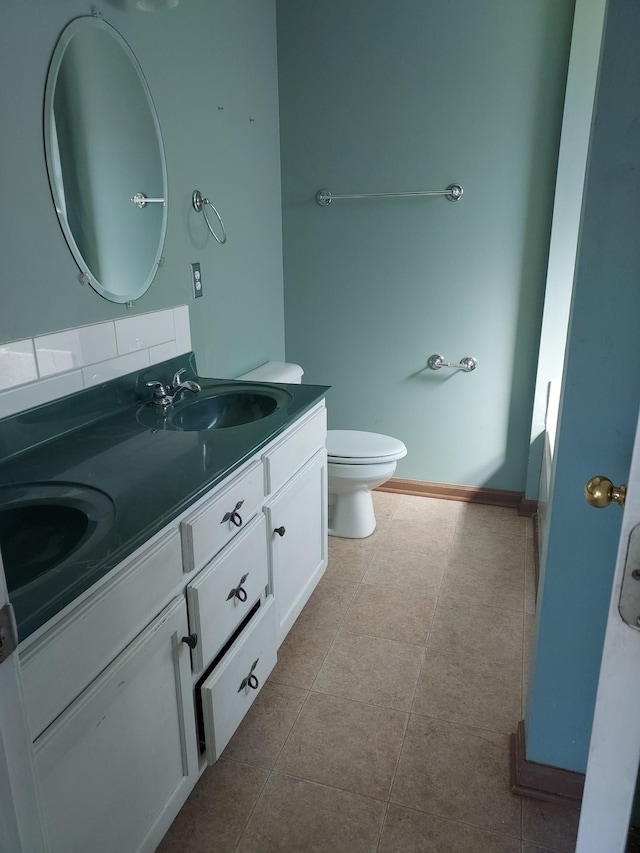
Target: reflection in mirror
column 103, row 147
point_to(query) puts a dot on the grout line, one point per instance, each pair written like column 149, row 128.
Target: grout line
column 298, row 778
column 418, row 643
column 415, row 686
column 382, row 826
column 473, row 726
column 310, row 689
column 452, row 820
column 286, row 740
column 406, row 712
column 255, row 805
column 397, row 764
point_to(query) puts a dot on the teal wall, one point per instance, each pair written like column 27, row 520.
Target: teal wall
column 211, row 68
column 599, row 410
column 385, row 97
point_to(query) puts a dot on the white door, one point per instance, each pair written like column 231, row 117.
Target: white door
column 614, row 751
column 20, row 827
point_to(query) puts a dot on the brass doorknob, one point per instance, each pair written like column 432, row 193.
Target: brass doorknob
column 600, row 492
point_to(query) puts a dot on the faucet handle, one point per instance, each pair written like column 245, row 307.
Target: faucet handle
column 160, row 397
column 176, row 379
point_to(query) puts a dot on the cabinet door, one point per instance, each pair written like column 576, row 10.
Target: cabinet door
column 117, row 765
column 297, row 533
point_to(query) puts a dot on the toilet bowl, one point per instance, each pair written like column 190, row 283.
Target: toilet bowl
column 357, row 463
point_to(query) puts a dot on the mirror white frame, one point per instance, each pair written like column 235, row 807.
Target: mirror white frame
column 112, row 152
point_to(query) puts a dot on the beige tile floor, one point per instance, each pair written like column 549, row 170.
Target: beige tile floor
column 385, row 725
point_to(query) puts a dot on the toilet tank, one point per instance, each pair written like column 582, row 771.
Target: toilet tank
column 275, row 371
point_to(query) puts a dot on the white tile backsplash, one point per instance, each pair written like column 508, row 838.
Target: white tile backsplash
column 144, row 331
column 17, row 363
column 107, row 370
column 162, row 352
column 75, row 348
column 36, row 393
column 183, row 330
column 39, row 370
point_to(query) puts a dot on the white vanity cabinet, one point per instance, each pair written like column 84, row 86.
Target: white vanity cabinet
column 131, row 690
column 113, row 764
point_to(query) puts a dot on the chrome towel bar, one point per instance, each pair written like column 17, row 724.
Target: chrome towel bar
column 453, row 192
column 468, row 363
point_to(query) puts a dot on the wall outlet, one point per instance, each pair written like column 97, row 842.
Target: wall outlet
column 196, row 280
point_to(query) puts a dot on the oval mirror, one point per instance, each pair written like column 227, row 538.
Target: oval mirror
column 105, row 159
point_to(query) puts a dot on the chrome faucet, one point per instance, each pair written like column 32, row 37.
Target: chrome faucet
column 178, row 387
column 167, row 395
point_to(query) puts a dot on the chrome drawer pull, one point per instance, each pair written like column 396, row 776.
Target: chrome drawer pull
column 250, row 680
column 239, row 592
column 234, row 516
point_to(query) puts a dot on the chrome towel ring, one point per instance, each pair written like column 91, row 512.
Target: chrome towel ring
column 200, row 203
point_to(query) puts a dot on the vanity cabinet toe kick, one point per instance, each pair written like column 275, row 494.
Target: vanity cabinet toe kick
column 172, row 647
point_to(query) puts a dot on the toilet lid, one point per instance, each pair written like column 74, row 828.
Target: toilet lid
column 353, row 447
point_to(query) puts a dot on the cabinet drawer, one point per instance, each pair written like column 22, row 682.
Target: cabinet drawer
column 63, row 660
column 217, row 521
column 222, row 594
column 293, row 451
column 227, row 694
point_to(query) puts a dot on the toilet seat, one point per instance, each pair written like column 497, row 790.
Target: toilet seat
column 353, row 447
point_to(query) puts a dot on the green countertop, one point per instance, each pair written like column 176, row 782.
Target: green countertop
column 150, row 474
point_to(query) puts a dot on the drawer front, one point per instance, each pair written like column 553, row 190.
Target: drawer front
column 222, row 594
column 233, row 686
column 92, row 634
column 216, row 522
column 286, row 458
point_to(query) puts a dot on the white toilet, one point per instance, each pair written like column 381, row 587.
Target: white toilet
column 357, row 463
